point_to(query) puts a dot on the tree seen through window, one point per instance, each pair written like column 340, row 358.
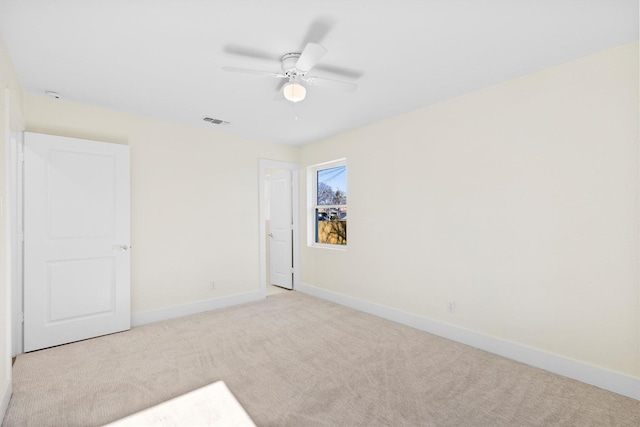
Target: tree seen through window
column 331, row 205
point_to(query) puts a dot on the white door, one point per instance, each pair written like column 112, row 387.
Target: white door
column 76, row 249
column 280, row 233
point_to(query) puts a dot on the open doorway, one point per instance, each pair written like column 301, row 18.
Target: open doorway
column 278, row 226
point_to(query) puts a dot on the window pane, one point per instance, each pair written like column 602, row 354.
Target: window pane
column 332, row 186
column 331, row 226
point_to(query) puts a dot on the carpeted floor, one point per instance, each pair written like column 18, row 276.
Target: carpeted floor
column 294, row 360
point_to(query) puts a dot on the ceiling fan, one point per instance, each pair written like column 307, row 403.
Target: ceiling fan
column 295, row 68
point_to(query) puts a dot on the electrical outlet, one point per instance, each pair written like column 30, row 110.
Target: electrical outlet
column 451, row 306
column 213, row 284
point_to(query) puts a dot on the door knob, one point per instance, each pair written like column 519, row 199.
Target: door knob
column 120, row 248
column 270, row 234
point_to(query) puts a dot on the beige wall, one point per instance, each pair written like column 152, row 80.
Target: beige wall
column 194, row 200
column 8, row 80
column 519, row 202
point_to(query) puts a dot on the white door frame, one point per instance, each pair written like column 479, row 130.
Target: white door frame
column 14, row 125
column 293, row 167
column 16, row 237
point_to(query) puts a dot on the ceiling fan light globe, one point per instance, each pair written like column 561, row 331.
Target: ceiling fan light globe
column 294, row 92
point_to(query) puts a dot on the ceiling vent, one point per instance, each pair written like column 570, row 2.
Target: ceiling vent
column 215, row 121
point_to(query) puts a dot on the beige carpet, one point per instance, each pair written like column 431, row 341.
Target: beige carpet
column 293, row 360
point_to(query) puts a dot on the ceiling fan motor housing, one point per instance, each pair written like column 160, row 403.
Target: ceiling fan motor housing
column 289, row 61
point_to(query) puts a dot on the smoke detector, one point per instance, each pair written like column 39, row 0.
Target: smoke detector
column 52, row 94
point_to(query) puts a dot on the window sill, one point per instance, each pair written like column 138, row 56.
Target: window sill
column 342, row 248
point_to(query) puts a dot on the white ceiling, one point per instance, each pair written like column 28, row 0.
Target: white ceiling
column 163, row 58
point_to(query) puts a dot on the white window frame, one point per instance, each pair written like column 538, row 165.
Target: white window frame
column 312, row 192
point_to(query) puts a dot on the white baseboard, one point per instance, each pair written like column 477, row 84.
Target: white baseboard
column 608, row 380
column 6, row 397
column 151, row 316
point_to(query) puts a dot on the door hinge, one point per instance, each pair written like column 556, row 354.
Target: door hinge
column 21, row 317
column 21, row 156
column 21, row 236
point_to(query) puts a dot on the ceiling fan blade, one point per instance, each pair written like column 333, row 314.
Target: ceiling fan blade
column 310, row 56
column 330, row 83
column 251, row 53
column 256, row 72
column 281, row 85
column 318, row 30
column 341, row 71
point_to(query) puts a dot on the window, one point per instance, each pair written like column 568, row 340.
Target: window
column 329, row 196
